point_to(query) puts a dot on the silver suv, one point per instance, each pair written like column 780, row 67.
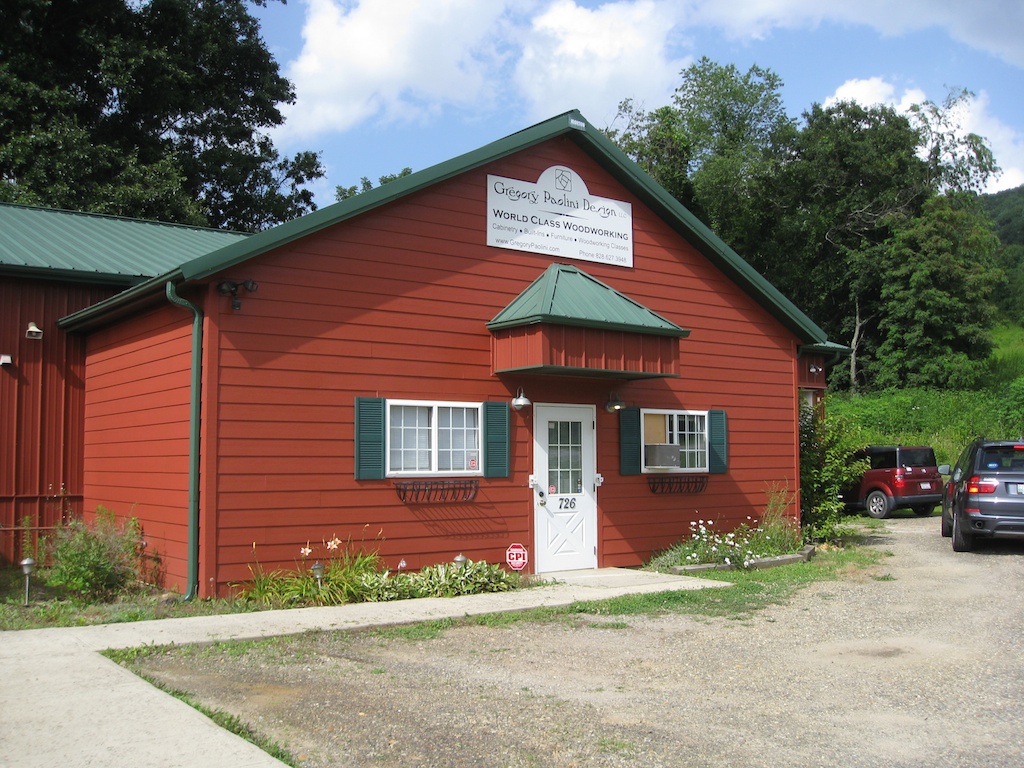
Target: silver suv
column 985, row 494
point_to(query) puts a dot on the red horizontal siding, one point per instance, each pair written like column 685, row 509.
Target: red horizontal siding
column 136, row 430
column 395, row 304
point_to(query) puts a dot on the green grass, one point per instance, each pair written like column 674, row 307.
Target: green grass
column 1007, row 360
column 54, row 607
column 751, row 591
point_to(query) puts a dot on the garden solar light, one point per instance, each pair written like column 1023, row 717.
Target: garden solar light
column 459, row 560
column 318, row 573
column 27, row 566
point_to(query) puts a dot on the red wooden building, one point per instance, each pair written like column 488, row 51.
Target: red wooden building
column 532, row 343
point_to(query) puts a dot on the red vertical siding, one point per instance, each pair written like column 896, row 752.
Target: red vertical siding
column 136, row 430
column 394, row 304
column 40, row 408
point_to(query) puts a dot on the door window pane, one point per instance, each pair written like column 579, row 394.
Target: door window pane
column 565, row 456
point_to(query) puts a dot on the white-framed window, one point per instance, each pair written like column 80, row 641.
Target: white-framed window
column 674, row 441
column 433, row 438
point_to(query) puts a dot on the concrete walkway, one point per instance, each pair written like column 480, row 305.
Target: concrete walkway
column 63, row 704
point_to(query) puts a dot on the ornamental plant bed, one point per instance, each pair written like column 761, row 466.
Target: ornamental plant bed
column 805, row 554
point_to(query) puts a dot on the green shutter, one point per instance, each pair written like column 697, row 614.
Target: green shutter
column 370, row 464
column 497, row 439
column 630, row 449
column 718, row 443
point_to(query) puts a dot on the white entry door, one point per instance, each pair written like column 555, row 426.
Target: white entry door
column 564, row 490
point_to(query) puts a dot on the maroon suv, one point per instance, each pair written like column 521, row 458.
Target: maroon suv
column 899, row 476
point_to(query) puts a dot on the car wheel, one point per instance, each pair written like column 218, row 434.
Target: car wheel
column 962, row 541
column 923, row 511
column 877, row 505
column 946, row 527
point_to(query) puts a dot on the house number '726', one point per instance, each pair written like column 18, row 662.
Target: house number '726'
column 564, row 503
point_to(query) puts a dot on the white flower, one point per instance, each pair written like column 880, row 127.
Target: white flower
column 305, row 551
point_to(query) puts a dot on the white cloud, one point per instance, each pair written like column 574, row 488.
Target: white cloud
column 873, row 91
column 397, row 59
column 591, row 59
column 407, row 59
column 410, row 61
column 986, row 25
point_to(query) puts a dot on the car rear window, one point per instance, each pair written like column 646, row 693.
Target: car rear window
column 1003, row 457
column 917, row 457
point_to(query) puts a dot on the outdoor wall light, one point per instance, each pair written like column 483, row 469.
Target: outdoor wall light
column 317, row 569
column 230, row 288
column 6, row 360
column 33, row 332
column 27, row 566
column 614, row 403
column 520, row 401
column 815, row 370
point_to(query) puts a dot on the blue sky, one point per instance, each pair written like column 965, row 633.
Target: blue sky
column 386, row 84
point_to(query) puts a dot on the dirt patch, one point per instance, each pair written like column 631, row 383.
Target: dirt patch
column 865, row 672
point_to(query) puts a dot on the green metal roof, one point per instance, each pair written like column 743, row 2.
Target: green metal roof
column 571, row 125
column 564, row 295
column 91, row 247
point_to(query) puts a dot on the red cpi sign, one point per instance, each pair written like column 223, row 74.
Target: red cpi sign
column 517, row 557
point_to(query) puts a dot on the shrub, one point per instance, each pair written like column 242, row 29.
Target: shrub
column 95, row 561
column 442, row 580
column 827, row 466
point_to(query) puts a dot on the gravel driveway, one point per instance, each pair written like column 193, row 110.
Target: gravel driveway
column 919, row 662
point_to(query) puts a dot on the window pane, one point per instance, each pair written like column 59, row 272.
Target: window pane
column 409, row 448
column 458, row 439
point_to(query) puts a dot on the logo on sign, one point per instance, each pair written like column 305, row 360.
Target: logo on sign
column 517, row 557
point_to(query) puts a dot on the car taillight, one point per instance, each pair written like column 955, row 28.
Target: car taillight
column 898, row 481
column 981, row 485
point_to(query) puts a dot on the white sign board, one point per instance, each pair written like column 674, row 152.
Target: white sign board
column 557, row 216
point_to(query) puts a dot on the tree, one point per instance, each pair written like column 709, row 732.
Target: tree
column 857, row 178
column 957, row 162
column 1007, row 211
column 852, row 173
column 815, row 206
column 724, row 132
column 154, row 109
column 365, row 185
column 936, row 298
